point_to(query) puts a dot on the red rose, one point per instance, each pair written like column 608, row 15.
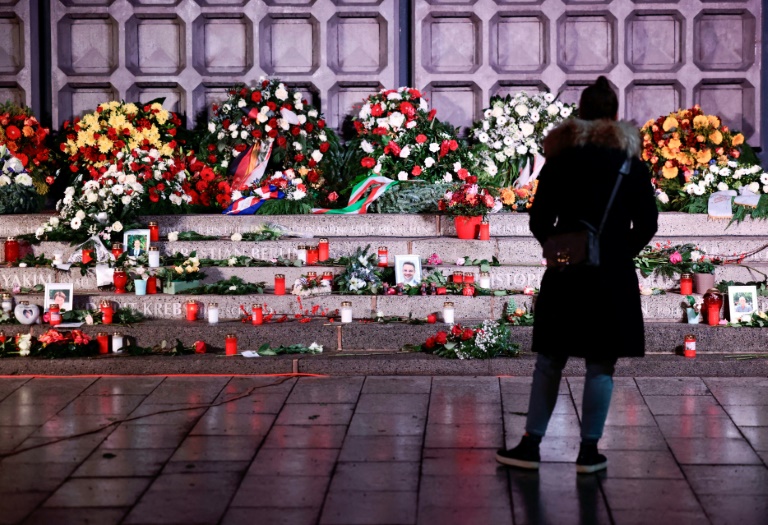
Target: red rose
column 226, row 123
column 63, row 146
column 471, row 179
column 272, row 133
column 295, row 130
column 376, row 110
column 271, row 105
column 241, row 147
column 212, row 159
column 468, row 333
column 441, row 336
column 281, row 142
column 308, row 127
column 325, row 146
column 172, row 132
column 421, row 138
column 256, row 133
column 416, row 171
column 430, row 343
column 321, row 124
column 453, row 145
column 456, row 330
column 199, row 347
column 256, row 96
column 463, row 174
column 333, row 196
column 444, row 147
column 432, row 114
column 368, row 162
column 313, row 177
column 298, row 157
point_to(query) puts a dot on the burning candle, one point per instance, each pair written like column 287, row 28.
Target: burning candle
column 230, row 344
column 213, row 313
column 87, row 255
column 383, row 257
column 117, row 249
column 191, row 307
column 323, row 249
column 106, row 312
column 327, row 276
column 257, row 314
column 2, row 337
column 301, row 253
column 279, row 284
column 686, row 284
column 448, row 313
column 117, row 343
column 313, row 255
column 458, row 277
column 11, row 250
column 346, row 312
column 469, row 277
column 154, row 257
column 120, row 279
column 103, row 340
column 7, row 303
column 485, row 280
column 485, row 231
column 54, row 315
column 154, row 232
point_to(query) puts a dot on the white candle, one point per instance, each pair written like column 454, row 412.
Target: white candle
column 485, row 280
column 346, row 312
column 57, row 258
column 301, row 254
column 154, row 257
column 117, row 343
column 448, row 313
column 7, row 303
column 213, row 313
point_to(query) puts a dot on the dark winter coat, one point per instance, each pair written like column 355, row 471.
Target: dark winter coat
column 593, row 312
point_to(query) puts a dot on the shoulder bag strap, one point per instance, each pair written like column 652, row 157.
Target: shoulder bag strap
column 624, row 170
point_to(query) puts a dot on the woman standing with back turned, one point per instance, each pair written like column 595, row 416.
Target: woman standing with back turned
column 590, row 312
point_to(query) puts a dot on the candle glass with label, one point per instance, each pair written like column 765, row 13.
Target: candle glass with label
column 383, row 257
column 153, row 254
column 458, row 277
column 106, row 312
column 230, row 344
column 154, row 232
column 103, row 339
column 7, row 304
column 117, row 249
column 54, row 315
column 257, row 314
column 279, row 284
column 346, row 312
column 448, row 313
column 686, row 284
column 151, row 285
column 192, row 309
column 313, row 255
column 12, row 250
column 87, row 255
column 301, row 253
column 323, row 250
column 485, row 280
column 484, row 233
column 120, row 280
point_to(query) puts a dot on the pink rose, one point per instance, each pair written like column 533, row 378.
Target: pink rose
column 676, row 258
column 528, row 290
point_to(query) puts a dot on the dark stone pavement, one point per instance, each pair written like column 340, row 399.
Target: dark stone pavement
column 373, row 450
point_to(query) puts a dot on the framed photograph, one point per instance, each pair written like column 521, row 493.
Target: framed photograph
column 742, row 302
column 136, row 242
column 408, row 269
column 59, row 293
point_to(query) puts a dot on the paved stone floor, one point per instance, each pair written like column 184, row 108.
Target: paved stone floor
column 373, row 450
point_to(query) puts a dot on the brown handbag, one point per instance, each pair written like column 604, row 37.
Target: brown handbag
column 581, row 247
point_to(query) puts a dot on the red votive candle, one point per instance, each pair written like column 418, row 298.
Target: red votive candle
column 230, row 344
column 458, row 277
column 103, row 340
column 54, row 315
column 485, row 231
column 686, row 284
column 154, row 232
column 11, row 250
column 87, row 255
column 313, row 255
column 120, row 280
column 152, row 285
column 279, row 284
column 192, row 309
column 117, row 249
column 106, row 312
column 323, row 250
column 327, row 276
column 469, row 277
column 257, row 314
column 383, row 257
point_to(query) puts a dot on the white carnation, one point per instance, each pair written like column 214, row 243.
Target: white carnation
column 75, row 223
column 402, row 176
column 236, row 237
column 521, row 109
column 429, row 162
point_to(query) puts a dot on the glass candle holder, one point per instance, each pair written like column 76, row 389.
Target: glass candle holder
column 11, row 250
column 106, row 312
column 312, row 276
column 458, row 277
column 191, row 309
column 485, row 280
column 313, row 255
column 257, row 314
column 484, row 233
column 153, row 254
column 323, row 250
column 279, row 284
column 213, row 313
column 686, row 284
column 230, row 344
column 383, row 257
column 154, row 232
column 120, row 279
column 448, row 313
column 118, row 341
column 54, row 315
column 301, row 253
column 117, row 249
column 7, row 303
column 327, row 276
column 346, row 312
column 103, row 339
column 152, row 285
column 469, row 277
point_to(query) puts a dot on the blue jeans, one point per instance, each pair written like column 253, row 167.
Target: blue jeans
column 598, row 387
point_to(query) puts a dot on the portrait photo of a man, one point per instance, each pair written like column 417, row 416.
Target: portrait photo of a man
column 742, row 302
column 408, row 270
column 136, row 242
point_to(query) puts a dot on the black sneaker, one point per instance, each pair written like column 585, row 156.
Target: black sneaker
column 525, row 455
column 590, row 461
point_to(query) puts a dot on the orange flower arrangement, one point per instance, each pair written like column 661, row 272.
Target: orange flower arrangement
column 521, row 198
column 677, row 145
column 27, row 140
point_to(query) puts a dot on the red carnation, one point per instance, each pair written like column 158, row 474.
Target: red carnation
column 281, row 142
column 453, row 145
column 463, row 174
column 376, row 110
column 421, row 138
column 379, row 131
column 295, row 130
column 298, row 157
column 256, row 96
column 212, row 159
column 415, row 93
column 441, row 337
column 324, row 147
column 456, row 331
column 241, row 147
column 368, row 162
column 313, row 177
column 207, row 174
column 309, row 127
column 416, row 171
column 333, row 196
column 407, row 109
column 272, row 133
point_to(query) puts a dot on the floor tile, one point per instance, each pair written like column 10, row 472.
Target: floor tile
column 684, row 405
column 67, row 425
column 326, row 390
column 736, row 509
column 216, row 448
column 315, row 414
column 642, row 464
column 392, row 404
column 246, row 516
column 459, row 411
column 562, row 425
column 519, row 405
column 702, row 451
column 76, row 516
column 381, row 448
column 124, row 386
column 233, row 424
column 369, row 508
column 165, row 414
column 387, row 425
column 297, row 462
column 748, row 415
column 630, row 415
column 257, row 403
column 672, row 386
column 728, row 479
column 146, row 436
column 740, row 395
column 397, row 385
column 105, row 462
column 697, row 426
column 632, row 438
column 281, row 491
column 465, row 491
column 11, row 437
column 464, row 515
column 257, row 386
column 293, row 436
column 33, row 477
column 460, row 462
column 641, row 494
column 72, row 451
column 14, row 414
column 103, row 404
column 98, row 492
column 464, row 436
column 369, row 477
column 757, row 437
column 187, row 391
column 653, row 516
column 14, row 508
column 8, row 385
column 197, row 467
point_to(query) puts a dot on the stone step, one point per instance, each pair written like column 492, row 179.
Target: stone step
column 667, row 307
column 389, row 225
column 505, row 277
column 660, row 337
column 508, row 250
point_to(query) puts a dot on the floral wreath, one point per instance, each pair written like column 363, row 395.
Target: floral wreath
column 26, row 140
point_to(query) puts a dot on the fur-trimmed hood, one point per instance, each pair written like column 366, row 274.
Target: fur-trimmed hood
column 605, row 133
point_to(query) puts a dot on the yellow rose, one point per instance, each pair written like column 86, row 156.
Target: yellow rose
column 670, row 123
column 716, row 137
column 738, row 139
column 713, row 121
column 669, row 171
column 178, row 269
column 700, row 121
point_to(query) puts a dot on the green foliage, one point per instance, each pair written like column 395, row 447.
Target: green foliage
column 484, row 264
column 267, row 350
column 194, row 236
column 284, row 207
column 410, row 197
column 232, row 286
column 361, row 275
column 17, row 198
column 32, row 261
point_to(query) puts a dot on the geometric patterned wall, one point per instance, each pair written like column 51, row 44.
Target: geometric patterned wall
column 659, row 54
column 17, row 55
column 189, row 51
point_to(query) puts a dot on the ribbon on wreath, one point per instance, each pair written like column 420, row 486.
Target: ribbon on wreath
column 250, row 205
column 363, row 194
